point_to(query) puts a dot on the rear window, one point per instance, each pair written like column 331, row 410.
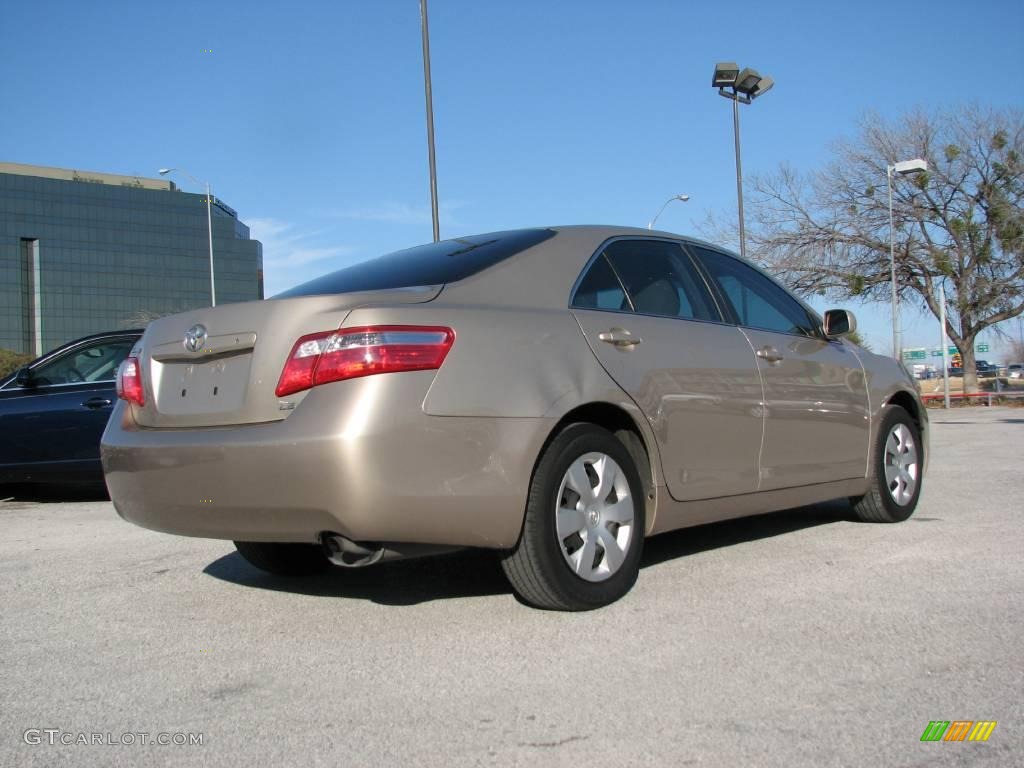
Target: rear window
column 445, row 262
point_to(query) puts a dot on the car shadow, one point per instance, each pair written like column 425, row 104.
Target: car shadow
column 703, row 538
column 477, row 573
column 53, row 494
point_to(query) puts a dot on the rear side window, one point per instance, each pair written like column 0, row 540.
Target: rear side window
column 660, row 279
column 601, row 289
column 757, row 301
column 434, row 264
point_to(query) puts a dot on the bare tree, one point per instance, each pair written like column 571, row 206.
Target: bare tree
column 960, row 224
column 140, row 318
column 1016, row 351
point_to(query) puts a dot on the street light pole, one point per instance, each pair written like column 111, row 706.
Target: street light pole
column 945, row 346
column 430, row 120
column 904, row 168
column 209, row 233
column 892, row 271
column 209, row 222
column 680, row 198
column 742, row 86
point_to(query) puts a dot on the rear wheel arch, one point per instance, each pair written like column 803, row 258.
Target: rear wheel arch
column 620, row 423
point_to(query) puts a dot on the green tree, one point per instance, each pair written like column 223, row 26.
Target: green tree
column 960, row 224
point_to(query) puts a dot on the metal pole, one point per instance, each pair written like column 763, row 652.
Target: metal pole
column 892, row 269
column 430, row 119
column 209, row 232
column 945, row 346
column 739, row 173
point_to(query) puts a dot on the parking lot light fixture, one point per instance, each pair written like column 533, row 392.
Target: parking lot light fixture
column 680, row 198
column 902, row 168
column 725, row 74
column 742, row 87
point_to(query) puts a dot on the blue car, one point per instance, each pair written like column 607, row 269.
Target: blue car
column 53, row 411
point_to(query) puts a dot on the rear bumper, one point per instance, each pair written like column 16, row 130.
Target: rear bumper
column 359, row 458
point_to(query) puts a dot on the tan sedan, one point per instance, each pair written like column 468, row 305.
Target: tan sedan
column 557, row 395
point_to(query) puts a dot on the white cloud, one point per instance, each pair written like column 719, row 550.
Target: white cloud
column 284, row 247
column 291, row 256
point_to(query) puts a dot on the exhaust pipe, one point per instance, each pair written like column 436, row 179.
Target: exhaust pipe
column 348, row 554
column 342, row 551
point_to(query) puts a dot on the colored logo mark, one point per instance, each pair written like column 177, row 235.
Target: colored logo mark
column 958, row 730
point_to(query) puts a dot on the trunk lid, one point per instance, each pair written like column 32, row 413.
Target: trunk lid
column 219, row 366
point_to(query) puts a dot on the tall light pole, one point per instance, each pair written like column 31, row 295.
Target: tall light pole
column 945, row 346
column 209, row 223
column 680, row 198
column 742, row 86
column 904, row 168
column 430, row 119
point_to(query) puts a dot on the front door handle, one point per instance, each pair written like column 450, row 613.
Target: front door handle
column 770, row 354
column 620, row 338
column 97, row 402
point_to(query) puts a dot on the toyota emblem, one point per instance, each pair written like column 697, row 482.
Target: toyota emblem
column 195, row 338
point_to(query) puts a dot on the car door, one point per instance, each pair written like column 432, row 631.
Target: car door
column 817, row 419
column 55, row 423
column 652, row 322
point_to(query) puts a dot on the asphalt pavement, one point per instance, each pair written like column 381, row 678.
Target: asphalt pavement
column 798, row 638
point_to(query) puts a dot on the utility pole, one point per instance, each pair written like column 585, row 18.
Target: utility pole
column 943, row 343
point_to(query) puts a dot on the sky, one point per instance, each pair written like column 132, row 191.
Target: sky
column 308, row 117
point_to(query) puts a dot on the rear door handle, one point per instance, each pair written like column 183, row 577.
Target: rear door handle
column 619, row 337
column 97, row 402
column 770, row 354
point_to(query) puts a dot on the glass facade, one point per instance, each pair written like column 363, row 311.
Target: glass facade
column 84, row 256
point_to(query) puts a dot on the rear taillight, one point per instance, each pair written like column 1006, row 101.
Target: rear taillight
column 349, row 353
column 129, row 381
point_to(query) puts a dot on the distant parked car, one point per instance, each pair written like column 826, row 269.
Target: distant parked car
column 956, row 370
column 1015, row 371
column 985, row 369
column 53, row 411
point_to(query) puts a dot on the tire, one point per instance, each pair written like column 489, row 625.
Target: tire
column 598, row 562
column 284, row 559
column 881, row 504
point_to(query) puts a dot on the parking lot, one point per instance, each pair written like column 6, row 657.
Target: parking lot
column 799, row 638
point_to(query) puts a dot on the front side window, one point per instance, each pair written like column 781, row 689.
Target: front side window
column 660, row 279
column 756, row 301
column 90, row 363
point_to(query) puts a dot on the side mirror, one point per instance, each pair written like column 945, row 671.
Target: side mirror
column 839, row 322
column 24, row 378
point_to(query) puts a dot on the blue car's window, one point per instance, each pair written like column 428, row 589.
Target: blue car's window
column 435, row 264
column 90, row 363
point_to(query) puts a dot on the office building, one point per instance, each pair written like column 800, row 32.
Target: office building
column 82, row 252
